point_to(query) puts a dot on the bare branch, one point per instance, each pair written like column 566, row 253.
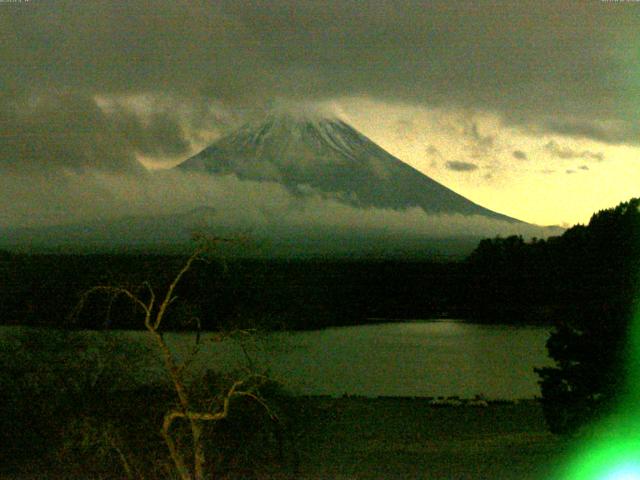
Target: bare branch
column 155, row 310
column 121, row 456
column 152, row 294
column 175, row 454
column 114, row 291
column 194, row 351
column 219, row 415
column 169, row 295
column 261, row 401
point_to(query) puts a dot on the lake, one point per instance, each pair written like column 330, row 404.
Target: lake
column 419, row 358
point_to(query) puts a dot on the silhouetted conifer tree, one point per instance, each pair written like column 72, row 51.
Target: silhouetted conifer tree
column 600, row 264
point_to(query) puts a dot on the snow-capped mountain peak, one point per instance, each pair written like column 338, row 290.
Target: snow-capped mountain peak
column 326, row 154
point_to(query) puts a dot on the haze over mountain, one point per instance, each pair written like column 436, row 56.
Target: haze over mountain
column 298, row 184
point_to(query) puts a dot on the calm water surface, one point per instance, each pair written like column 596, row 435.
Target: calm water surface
column 425, row 358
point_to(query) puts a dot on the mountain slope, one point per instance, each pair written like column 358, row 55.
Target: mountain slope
column 330, row 156
column 296, row 186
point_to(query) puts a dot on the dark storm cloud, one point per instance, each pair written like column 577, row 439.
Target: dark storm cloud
column 461, row 166
column 68, row 130
column 565, row 152
column 157, row 135
column 613, row 131
column 72, row 131
column 531, row 62
column 519, row 154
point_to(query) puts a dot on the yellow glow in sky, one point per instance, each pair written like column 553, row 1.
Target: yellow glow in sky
column 536, row 177
column 528, row 174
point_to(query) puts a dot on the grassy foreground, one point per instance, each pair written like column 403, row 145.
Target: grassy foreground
column 408, row 438
column 389, row 438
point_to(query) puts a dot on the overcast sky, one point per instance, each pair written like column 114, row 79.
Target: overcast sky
column 528, row 108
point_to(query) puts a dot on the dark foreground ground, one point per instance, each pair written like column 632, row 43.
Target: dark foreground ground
column 408, row 438
column 389, row 438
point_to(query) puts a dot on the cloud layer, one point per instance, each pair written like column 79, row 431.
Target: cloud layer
column 218, row 202
column 563, row 67
column 567, row 153
column 458, row 166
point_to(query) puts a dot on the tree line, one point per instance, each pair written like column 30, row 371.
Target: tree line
column 586, row 284
column 504, row 280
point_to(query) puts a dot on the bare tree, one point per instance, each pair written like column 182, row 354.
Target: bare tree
column 155, row 308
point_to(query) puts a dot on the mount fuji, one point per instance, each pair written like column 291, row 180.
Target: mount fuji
column 296, row 185
column 328, row 155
